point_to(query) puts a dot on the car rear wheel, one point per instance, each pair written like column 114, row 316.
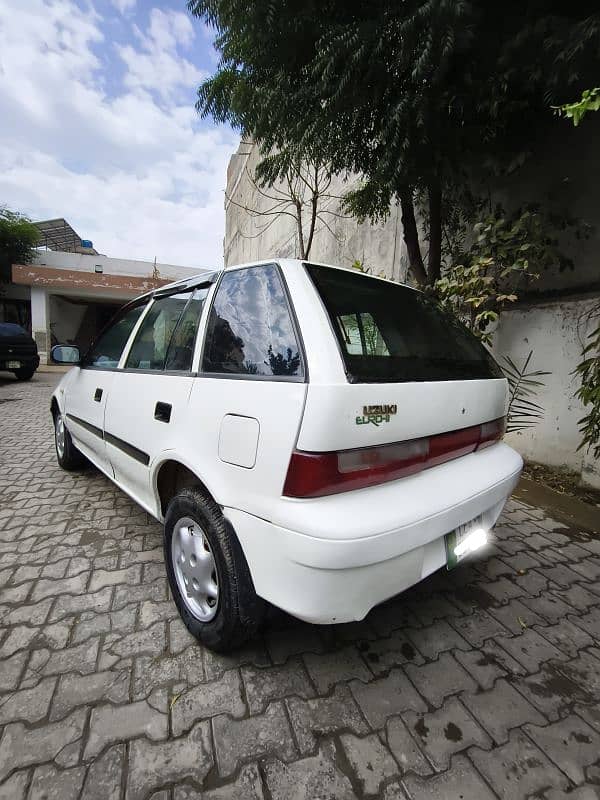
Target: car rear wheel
column 24, row 374
column 208, row 573
column 67, row 455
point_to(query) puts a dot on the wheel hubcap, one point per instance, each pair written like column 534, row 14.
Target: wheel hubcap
column 195, row 569
column 60, row 436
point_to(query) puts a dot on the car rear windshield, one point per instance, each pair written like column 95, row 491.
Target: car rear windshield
column 390, row 333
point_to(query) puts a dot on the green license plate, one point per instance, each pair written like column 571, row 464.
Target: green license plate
column 455, row 538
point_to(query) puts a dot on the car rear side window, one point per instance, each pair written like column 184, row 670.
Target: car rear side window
column 250, row 330
column 166, row 337
column 390, row 333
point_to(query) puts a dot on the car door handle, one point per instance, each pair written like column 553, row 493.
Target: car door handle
column 98, row 395
column 162, row 412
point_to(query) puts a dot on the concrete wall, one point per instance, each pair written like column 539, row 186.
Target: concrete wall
column 111, row 266
column 555, row 331
column 379, row 247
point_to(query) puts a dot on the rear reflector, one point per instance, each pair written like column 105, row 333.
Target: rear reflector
column 319, row 474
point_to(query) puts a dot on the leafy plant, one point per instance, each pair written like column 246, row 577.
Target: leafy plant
column 590, row 101
column 18, row 239
column 589, row 392
column 523, row 385
column 501, row 255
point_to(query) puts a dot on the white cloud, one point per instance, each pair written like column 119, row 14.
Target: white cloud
column 124, row 5
column 132, row 169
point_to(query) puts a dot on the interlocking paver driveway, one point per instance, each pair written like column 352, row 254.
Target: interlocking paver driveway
column 483, row 682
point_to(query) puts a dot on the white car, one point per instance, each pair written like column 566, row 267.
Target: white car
column 310, row 436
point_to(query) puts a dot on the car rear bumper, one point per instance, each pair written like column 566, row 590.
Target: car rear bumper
column 25, row 362
column 325, row 579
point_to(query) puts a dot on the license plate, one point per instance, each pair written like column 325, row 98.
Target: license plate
column 13, row 365
column 464, row 540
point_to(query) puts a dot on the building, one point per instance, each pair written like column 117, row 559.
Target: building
column 553, row 320
column 69, row 291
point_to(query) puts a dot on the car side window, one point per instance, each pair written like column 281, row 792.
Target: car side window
column 250, row 330
column 106, row 351
column 165, row 339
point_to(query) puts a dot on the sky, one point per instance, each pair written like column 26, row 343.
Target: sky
column 98, row 125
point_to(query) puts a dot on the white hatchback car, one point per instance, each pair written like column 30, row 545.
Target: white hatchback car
column 311, row 436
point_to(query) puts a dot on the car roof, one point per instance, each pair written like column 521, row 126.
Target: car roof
column 207, row 278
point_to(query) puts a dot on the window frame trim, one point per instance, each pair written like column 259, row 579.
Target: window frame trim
column 295, row 328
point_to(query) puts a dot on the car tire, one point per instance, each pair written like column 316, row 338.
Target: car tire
column 199, row 542
column 24, row 374
column 67, row 455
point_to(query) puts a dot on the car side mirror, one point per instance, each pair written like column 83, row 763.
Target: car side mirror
column 65, row 354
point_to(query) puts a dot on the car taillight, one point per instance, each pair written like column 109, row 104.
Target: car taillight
column 319, row 474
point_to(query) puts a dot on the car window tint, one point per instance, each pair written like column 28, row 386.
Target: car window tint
column 107, row 350
column 361, row 335
column 181, row 346
column 250, row 330
column 151, row 343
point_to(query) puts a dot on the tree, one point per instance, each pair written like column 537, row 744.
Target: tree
column 300, row 192
column 18, row 239
column 413, row 96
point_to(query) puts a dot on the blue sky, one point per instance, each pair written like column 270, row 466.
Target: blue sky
column 99, row 126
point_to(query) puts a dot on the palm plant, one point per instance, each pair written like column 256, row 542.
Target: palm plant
column 523, row 385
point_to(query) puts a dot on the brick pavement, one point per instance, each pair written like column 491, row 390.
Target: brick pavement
column 479, row 683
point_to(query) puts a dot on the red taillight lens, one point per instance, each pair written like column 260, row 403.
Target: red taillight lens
column 319, row 474
column 491, row 432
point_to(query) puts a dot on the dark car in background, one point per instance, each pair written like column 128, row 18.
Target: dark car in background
column 18, row 351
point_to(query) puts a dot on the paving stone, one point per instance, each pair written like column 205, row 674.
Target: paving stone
column 103, row 780
column 28, row 705
column 90, row 624
column 48, row 783
column 531, row 649
column 248, row 739
column 102, row 578
column 404, row 748
column 548, row 606
column 275, row 683
column 11, row 669
column 532, row 584
column 166, row 670
column 445, row 732
column 15, row 787
column 15, row 594
column 581, row 793
column 330, row 668
column 584, row 671
column 567, row 637
column 500, row 709
column 436, row 638
column 430, row 608
column 151, row 766
column 386, row 697
column 18, row 639
column 179, row 637
column 483, row 668
column 370, row 760
column 110, row 724
column 518, row 769
column 78, row 690
column 317, row 777
column 502, row 590
column 580, row 597
column 550, row 691
column 391, row 616
column 123, row 595
column 80, row 658
column 223, row 696
column 590, row 622
column 150, row 642
column 20, row 747
column 151, row 611
column 439, row 679
column 46, row 587
column 478, row 627
column 588, row 569
column 216, row 664
column 392, row 651
column 515, row 617
column 248, row 786
column 461, row 781
column 36, row 613
column 570, row 744
column 323, row 716
column 71, row 605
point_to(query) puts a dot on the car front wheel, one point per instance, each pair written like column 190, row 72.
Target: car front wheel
column 208, row 573
column 67, row 455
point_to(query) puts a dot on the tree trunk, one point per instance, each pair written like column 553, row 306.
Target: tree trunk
column 303, row 254
column 411, row 237
column 434, row 261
